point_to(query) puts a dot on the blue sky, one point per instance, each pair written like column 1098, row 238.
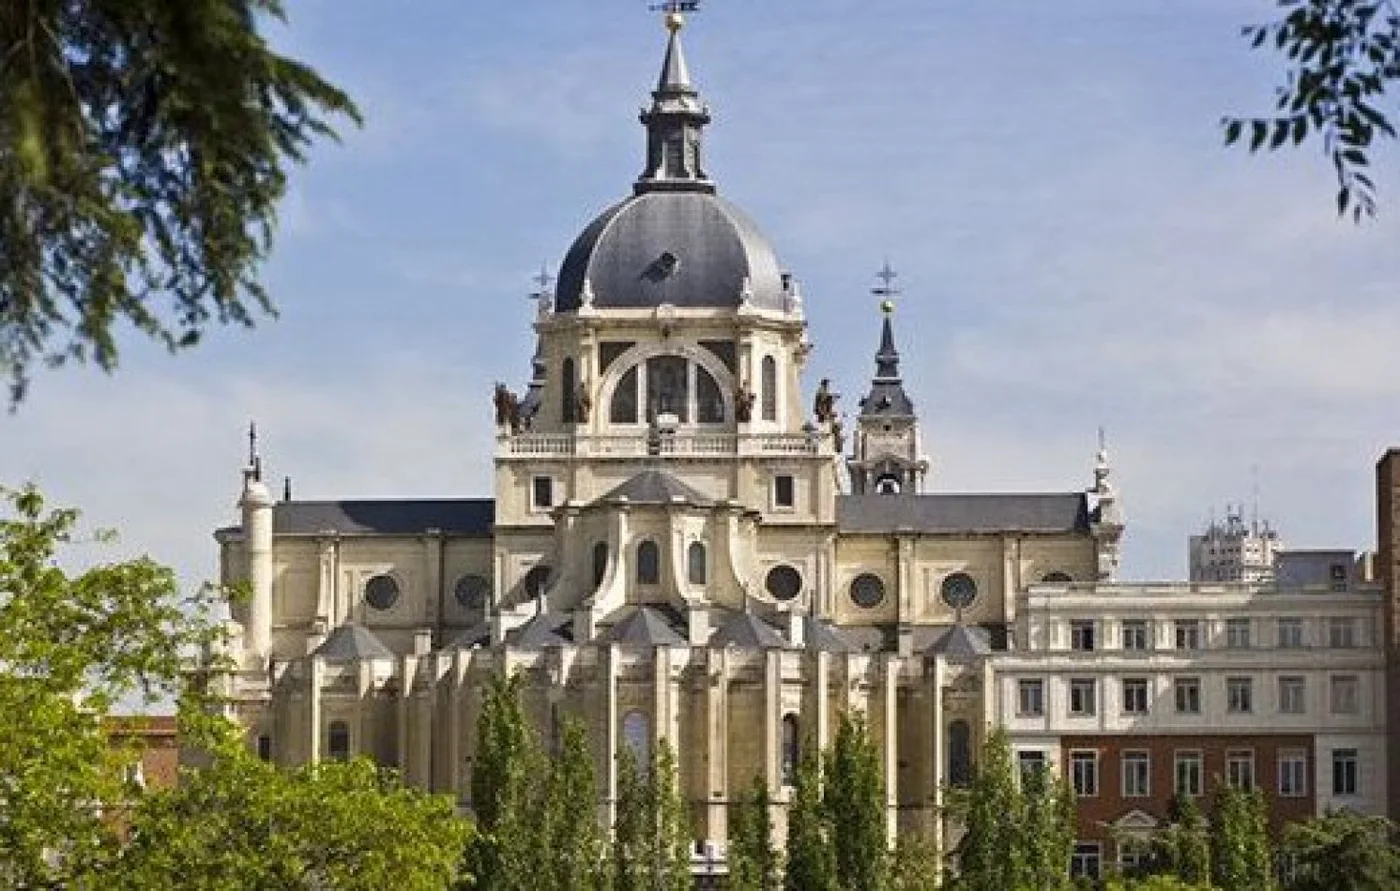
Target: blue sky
column 1076, row 249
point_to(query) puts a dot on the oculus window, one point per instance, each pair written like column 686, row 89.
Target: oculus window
column 471, row 592
column 867, row 590
column 959, row 590
column 783, row 582
column 382, row 592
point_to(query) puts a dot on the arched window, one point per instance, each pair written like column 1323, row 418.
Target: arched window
column 769, row 383
column 338, row 741
column 636, row 736
column 668, row 387
column 709, row 404
column 959, row 753
column 648, row 563
column 695, row 563
column 568, row 386
column 535, row 581
column 792, row 751
column 887, row 485
column 624, row 399
column 600, row 562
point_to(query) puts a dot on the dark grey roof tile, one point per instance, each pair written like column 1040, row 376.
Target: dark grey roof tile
column 350, row 643
column 948, row 513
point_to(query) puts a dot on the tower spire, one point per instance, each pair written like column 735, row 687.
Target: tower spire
column 676, row 120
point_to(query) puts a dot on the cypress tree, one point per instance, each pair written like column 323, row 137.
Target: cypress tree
column 651, row 835
column 575, row 849
column 503, row 854
column 1240, row 854
column 991, row 855
column 1184, row 846
column 1047, row 834
column 811, row 860
column 855, row 802
column 753, row 862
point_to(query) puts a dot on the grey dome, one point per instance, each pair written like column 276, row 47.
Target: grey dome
column 684, row 248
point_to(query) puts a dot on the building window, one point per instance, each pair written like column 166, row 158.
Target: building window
column 600, row 562
column 1292, row 695
column 784, row 491
column 1081, row 635
column 1188, row 695
column 1135, row 635
column 1290, row 633
column 624, row 399
column 636, row 736
column 1083, row 696
column 1134, row 855
column 1030, row 697
column 1135, row 696
column 668, row 387
column 709, row 404
column 1087, row 860
column 542, row 493
column 1084, row 773
column 472, row 592
column 1031, row 762
column 1292, row 774
column 1345, row 780
column 568, row 386
column 1239, row 769
column 791, row 751
column 768, row 399
column 1137, row 774
column 959, row 753
column 1346, row 694
column 1341, row 632
column 536, row 580
column 264, row 747
column 1188, row 634
column 338, row 741
column 783, row 582
column 1188, row 773
column 1239, row 695
column 1237, row 634
column 867, row 590
column 1056, row 578
column 648, row 563
column 1337, row 574
column 382, row 592
column 695, row 563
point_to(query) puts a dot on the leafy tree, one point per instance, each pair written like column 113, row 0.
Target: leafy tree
column 1342, row 56
column 72, row 645
column 575, row 849
column 1343, row 851
column 753, row 862
column 991, row 855
column 1048, row 832
column 651, row 835
column 811, row 857
column 914, row 865
column 504, row 853
column 855, row 801
column 1153, row 883
column 1240, row 852
column 144, row 146
column 243, row 824
column 1183, row 847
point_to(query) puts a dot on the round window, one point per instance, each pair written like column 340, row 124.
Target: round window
column 867, row 590
column 784, row 582
column 535, row 581
column 472, row 591
column 381, row 592
column 959, row 590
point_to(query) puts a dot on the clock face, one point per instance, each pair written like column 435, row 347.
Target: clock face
column 959, row 590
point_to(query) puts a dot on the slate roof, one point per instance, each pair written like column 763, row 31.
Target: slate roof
column 478, row 635
column 541, row 632
column 818, row 634
column 647, row 627
column 962, row 642
column 351, row 642
column 747, row 631
column 942, row 512
column 467, row 516
column 655, row 487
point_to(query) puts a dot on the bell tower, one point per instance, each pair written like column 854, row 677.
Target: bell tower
column 887, row 457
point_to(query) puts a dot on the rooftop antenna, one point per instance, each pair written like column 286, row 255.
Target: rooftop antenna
column 1254, row 498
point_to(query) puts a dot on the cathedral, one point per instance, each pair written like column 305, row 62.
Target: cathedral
column 690, row 542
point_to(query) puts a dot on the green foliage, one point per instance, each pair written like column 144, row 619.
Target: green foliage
column 72, row 645
column 914, row 866
column 1048, row 831
column 1183, row 847
column 1342, row 56
column 651, row 834
column 854, row 798
column 811, row 855
column 242, row 824
column 504, row 853
column 144, row 146
column 574, row 851
column 1153, row 883
column 1241, row 854
column 991, row 855
column 753, row 862
column 1343, row 851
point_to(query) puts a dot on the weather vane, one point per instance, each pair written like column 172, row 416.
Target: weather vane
column 886, row 290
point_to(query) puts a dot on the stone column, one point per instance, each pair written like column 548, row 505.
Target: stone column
column 716, row 743
column 889, row 679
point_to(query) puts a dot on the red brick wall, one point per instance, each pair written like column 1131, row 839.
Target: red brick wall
column 1098, row 813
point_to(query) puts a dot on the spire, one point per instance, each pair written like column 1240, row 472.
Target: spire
column 675, row 121
column 887, row 396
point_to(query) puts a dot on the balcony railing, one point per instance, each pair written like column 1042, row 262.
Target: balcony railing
column 699, row 445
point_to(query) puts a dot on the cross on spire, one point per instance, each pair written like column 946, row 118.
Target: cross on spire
column 886, row 289
column 543, row 279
